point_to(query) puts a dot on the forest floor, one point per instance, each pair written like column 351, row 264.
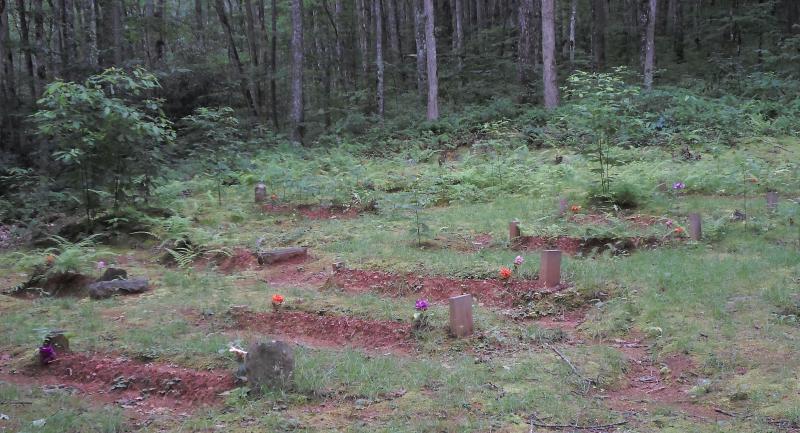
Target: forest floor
column 650, row 330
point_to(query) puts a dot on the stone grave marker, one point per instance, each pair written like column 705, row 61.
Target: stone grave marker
column 550, row 271
column 772, row 201
column 695, row 226
column 513, row 231
column 260, row 193
column 269, row 365
column 461, row 315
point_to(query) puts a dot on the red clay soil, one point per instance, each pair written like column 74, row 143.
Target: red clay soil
column 637, row 220
column 328, row 330
column 566, row 244
column 241, row 259
column 645, row 387
column 490, row 292
column 147, row 385
column 313, row 212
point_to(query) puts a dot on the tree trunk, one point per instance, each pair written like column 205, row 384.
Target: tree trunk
column 379, row 56
column 296, row 112
column 234, row 56
column 458, row 45
column 273, row 65
column 549, row 54
column 419, row 39
column 40, row 60
column 676, row 12
column 363, row 42
column 160, row 18
column 573, row 18
column 26, row 49
column 92, row 51
column 394, row 35
column 430, row 49
column 117, row 9
column 525, row 42
column 324, row 66
column 649, row 17
column 599, row 18
column 199, row 24
column 253, row 40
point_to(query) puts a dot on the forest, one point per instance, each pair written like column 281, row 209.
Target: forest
column 399, row 216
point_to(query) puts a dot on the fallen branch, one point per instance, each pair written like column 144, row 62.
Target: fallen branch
column 576, row 426
column 16, row 402
column 570, row 364
column 724, row 412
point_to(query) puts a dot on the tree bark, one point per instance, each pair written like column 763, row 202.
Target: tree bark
column 458, row 45
column 430, row 49
column 26, row 49
column 234, row 56
column 199, row 23
column 296, row 111
column 393, row 34
column 525, row 42
column 117, row 9
column 573, row 18
column 419, row 39
column 92, row 51
column 363, row 32
column 676, row 28
column 253, row 41
column 649, row 18
column 273, row 65
column 379, row 57
column 599, row 18
column 40, row 61
column 549, row 54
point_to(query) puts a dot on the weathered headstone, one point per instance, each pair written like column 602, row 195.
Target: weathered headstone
column 58, row 341
column 260, row 193
column 337, row 266
column 772, row 201
column 269, row 365
column 513, row 230
column 461, row 315
column 695, row 226
column 106, row 289
column 550, row 271
column 114, row 274
column 562, row 205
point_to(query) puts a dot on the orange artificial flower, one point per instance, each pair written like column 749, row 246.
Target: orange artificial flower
column 575, row 208
column 505, row 273
column 753, row 179
column 678, row 230
column 50, row 259
column 274, row 197
column 277, row 299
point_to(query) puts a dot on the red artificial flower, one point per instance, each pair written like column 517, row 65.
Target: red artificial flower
column 505, row 273
column 678, row 230
column 575, row 208
column 274, row 197
column 277, row 299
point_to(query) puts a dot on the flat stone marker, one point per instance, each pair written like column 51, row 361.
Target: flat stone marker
column 695, row 226
column 772, row 201
column 268, row 257
column 260, row 193
column 269, row 365
column 513, row 230
column 461, row 315
column 550, row 271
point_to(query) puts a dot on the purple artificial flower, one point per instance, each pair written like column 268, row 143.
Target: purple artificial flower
column 47, row 354
column 421, row 305
column 678, row 185
column 668, row 223
column 101, row 265
column 519, row 261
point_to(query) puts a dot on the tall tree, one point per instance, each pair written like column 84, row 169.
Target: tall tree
column 379, row 56
column 362, row 21
column 676, row 28
column 296, row 110
column 393, row 32
column 649, row 20
column 90, row 26
column 273, row 64
column 27, row 49
column 549, row 54
column 525, row 44
column 419, row 40
column 599, row 22
column 430, row 49
column 234, row 56
column 458, row 41
column 573, row 18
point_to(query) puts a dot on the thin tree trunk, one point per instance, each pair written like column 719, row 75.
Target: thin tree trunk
column 419, row 39
column 40, row 61
column 573, row 18
column 92, row 51
column 525, row 42
column 323, row 66
column 676, row 7
column 393, row 32
column 160, row 17
column 430, row 49
column 296, row 112
column 273, row 65
column 26, row 49
column 338, row 28
column 234, row 56
column 116, row 30
column 253, row 39
column 458, row 46
column 363, row 32
column 599, row 18
column 379, row 56
column 549, row 54
column 649, row 48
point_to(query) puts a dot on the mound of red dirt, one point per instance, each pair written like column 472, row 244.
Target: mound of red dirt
column 328, row 329
column 313, row 212
column 487, row 291
column 241, row 259
column 120, row 379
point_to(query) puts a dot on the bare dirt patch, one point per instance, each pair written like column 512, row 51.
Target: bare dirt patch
column 579, row 246
column 122, row 381
column 241, row 259
column 328, row 330
column 314, row 212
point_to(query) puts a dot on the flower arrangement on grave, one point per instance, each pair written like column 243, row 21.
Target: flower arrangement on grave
column 277, row 301
column 47, row 354
column 679, row 231
column 505, row 273
column 575, row 208
column 421, row 314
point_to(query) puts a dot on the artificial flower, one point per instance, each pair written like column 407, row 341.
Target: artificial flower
column 678, row 230
column 678, row 185
column 277, row 299
column 505, row 273
column 519, row 261
column 47, row 354
column 575, row 208
column 421, row 305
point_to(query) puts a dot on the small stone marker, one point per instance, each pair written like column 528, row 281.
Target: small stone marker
column 562, row 206
column 106, row 289
column 267, row 257
column 269, row 365
column 772, row 201
column 58, row 341
column 260, row 193
column 461, row 315
column 337, row 266
column 513, row 230
column 695, row 226
column 550, row 271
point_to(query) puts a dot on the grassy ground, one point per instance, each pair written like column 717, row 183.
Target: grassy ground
column 725, row 308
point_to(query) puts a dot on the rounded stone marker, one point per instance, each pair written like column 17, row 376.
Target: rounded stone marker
column 695, row 226
column 269, row 365
column 772, row 201
column 260, row 193
column 513, row 230
column 461, row 315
